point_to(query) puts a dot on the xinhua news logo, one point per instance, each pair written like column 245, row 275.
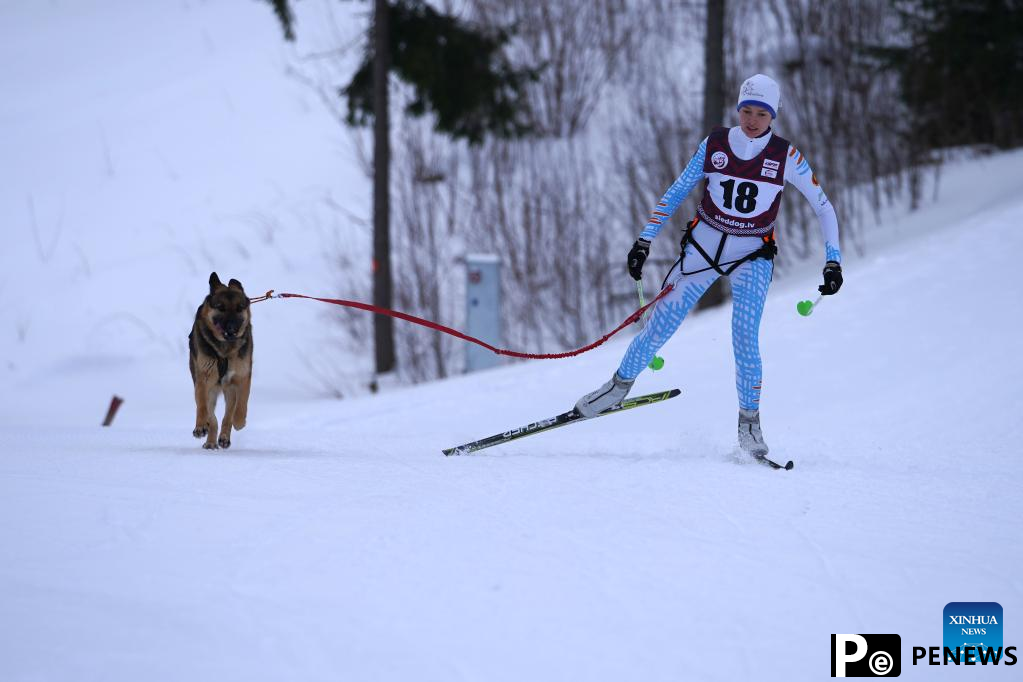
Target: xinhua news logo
column 974, row 626
column 971, row 635
column 866, row 655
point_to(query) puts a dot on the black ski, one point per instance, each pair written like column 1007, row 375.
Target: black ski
column 774, row 465
column 562, row 419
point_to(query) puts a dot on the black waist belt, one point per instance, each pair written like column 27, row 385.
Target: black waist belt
column 767, row 251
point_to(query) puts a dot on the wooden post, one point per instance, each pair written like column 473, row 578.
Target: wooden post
column 115, row 403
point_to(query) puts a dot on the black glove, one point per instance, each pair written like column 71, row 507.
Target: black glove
column 637, row 256
column 832, row 279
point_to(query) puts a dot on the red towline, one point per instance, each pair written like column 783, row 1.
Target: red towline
column 465, row 337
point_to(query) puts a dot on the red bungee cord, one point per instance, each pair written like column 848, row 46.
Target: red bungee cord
column 376, row 310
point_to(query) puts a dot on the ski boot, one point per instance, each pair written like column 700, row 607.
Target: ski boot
column 610, row 394
column 751, row 440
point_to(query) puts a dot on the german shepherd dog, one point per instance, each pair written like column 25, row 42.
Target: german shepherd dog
column 220, row 360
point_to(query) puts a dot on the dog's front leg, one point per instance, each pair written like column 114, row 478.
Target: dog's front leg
column 241, row 409
column 231, row 401
column 211, row 418
column 202, row 408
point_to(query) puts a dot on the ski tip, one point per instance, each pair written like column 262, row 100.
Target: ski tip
column 763, row 459
column 461, row 450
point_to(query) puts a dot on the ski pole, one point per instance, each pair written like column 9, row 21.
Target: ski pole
column 658, row 362
column 805, row 308
column 642, row 300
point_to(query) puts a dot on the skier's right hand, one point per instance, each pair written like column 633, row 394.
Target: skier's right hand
column 637, row 256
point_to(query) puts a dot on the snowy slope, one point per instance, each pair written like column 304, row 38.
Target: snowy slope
column 145, row 145
column 333, row 541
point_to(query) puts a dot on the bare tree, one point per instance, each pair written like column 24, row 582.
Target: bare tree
column 621, row 105
column 838, row 105
column 429, row 208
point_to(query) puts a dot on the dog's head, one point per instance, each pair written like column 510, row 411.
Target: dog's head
column 226, row 309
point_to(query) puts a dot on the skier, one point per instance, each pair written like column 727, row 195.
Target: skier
column 745, row 168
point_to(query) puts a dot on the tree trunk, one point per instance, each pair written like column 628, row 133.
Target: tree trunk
column 713, row 106
column 714, row 65
column 383, row 329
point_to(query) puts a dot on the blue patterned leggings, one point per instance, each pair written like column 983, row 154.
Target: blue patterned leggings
column 750, row 282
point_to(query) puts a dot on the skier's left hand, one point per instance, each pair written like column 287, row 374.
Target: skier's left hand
column 832, row 279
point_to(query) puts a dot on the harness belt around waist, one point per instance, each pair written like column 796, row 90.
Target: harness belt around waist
column 767, row 251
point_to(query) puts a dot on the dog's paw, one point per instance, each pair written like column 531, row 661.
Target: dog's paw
column 209, row 446
column 224, row 442
column 239, row 425
column 200, row 431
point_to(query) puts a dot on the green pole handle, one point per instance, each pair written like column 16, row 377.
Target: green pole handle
column 805, row 308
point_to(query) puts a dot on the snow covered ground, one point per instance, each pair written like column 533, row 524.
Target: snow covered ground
column 144, row 146
column 334, row 541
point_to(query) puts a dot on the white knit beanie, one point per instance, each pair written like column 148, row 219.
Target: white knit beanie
column 761, row 91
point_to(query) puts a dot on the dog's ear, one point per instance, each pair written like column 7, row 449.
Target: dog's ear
column 215, row 282
column 235, row 284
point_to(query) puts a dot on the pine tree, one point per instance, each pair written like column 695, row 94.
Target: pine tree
column 962, row 71
column 456, row 72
